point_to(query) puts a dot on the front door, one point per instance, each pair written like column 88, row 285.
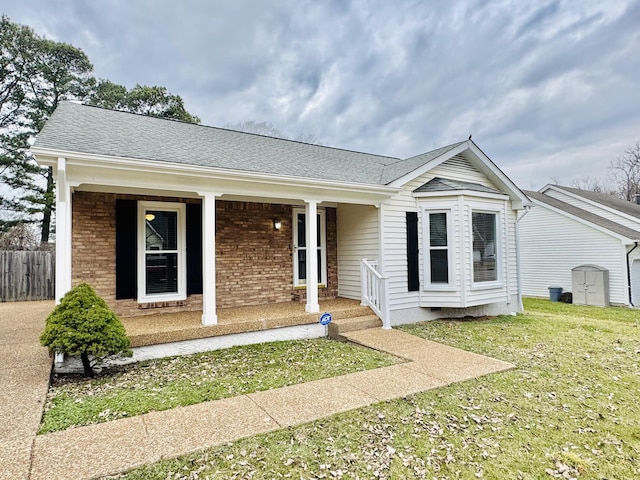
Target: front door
column 300, row 248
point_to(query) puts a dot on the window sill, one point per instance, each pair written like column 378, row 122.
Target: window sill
column 487, row 286
column 304, row 287
column 440, row 288
column 161, row 299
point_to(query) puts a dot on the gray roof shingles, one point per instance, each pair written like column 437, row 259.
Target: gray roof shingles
column 615, row 227
column 92, row 130
column 610, row 201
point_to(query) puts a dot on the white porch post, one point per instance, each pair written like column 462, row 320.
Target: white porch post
column 63, row 231
column 311, row 215
column 209, row 315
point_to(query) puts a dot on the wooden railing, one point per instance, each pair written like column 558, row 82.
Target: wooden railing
column 375, row 291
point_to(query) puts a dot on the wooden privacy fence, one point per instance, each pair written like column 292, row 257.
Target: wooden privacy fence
column 27, row 275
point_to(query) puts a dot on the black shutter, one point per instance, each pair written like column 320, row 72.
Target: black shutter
column 413, row 279
column 126, row 249
column 194, row 248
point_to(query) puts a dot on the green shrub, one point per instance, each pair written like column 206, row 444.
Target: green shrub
column 83, row 325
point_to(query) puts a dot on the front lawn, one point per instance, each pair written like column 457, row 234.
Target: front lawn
column 178, row 381
column 571, row 409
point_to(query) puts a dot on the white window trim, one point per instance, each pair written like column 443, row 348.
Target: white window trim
column 426, row 248
column 180, row 208
column 322, row 247
column 499, row 281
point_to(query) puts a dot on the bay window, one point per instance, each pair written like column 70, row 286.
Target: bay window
column 438, row 259
column 485, row 244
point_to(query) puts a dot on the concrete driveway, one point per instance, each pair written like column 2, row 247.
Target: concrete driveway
column 25, row 367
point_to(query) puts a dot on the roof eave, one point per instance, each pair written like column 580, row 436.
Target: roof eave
column 623, row 238
column 470, row 193
column 49, row 157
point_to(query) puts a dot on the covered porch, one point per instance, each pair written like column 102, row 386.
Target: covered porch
column 161, row 328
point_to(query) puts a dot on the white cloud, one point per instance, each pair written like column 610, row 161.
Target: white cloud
column 547, row 89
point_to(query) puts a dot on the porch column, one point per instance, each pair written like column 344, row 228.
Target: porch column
column 209, row 315
column 63, row 231
column 311, row 227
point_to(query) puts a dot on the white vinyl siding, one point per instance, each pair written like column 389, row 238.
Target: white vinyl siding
column 459, row 168
column 394, row 250
column 358, row 238
column 551, row 244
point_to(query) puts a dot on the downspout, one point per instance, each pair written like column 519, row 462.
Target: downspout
column 519, row 274
column 629, row 274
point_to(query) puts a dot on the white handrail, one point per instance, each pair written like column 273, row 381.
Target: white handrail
column 375, row 291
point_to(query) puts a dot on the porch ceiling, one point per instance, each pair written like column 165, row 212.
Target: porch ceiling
column 174, row 327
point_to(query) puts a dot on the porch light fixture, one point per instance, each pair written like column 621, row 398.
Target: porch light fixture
column 149, row 217
column 277, row 224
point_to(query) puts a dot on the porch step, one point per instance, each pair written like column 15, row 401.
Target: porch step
column 343, row 325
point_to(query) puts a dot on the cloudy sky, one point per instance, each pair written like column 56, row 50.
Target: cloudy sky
column 550, row 90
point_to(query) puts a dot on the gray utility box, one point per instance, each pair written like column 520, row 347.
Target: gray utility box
column 590, row 285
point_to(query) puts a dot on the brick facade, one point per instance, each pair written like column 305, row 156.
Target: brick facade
column 254, row 262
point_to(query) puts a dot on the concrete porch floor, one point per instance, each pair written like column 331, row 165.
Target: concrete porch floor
column 175, row 327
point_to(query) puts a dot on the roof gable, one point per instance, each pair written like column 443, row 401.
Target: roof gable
column 439, row 184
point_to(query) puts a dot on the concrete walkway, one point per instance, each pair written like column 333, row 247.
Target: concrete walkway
column 25, row 367
column 109, row 448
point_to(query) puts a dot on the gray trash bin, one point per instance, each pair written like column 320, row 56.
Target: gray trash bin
column 555, row 293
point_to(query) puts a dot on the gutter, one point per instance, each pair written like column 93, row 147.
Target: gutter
column 527, row 208
column 629, row 274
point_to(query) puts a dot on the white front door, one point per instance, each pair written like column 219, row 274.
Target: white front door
column 300, row 248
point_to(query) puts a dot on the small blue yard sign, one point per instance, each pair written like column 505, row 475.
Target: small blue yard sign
column 325, row 319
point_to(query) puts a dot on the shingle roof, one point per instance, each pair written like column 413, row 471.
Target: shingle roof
column 439, row 184
column 91, row 130
column 614, row 227
column 610, row 201
column 403, row 167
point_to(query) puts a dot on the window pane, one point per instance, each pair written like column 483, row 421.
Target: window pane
column 162, row 273
column 484, row 247
column 302, row 265
column 302, row 231
column 439, row 266
column 319, row 266
column 161, row 230
column 438, row 229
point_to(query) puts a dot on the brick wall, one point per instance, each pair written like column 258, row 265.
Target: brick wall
column 253, row 261
column 94, row 242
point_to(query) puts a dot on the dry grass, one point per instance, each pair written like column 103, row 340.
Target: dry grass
column 186, row 380
column 569, row 410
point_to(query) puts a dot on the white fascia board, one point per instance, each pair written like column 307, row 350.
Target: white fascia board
column 622, row 238
column 373, row 194
column 483, row 163
column 465, row 193
column 590, row 202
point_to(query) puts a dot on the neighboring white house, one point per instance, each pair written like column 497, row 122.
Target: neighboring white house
column 228, row 216
column 568, row 227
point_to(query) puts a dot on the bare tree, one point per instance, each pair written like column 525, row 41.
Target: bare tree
column 20, row 237
column 626, row 171
column 270, row 130
column 597, row 185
